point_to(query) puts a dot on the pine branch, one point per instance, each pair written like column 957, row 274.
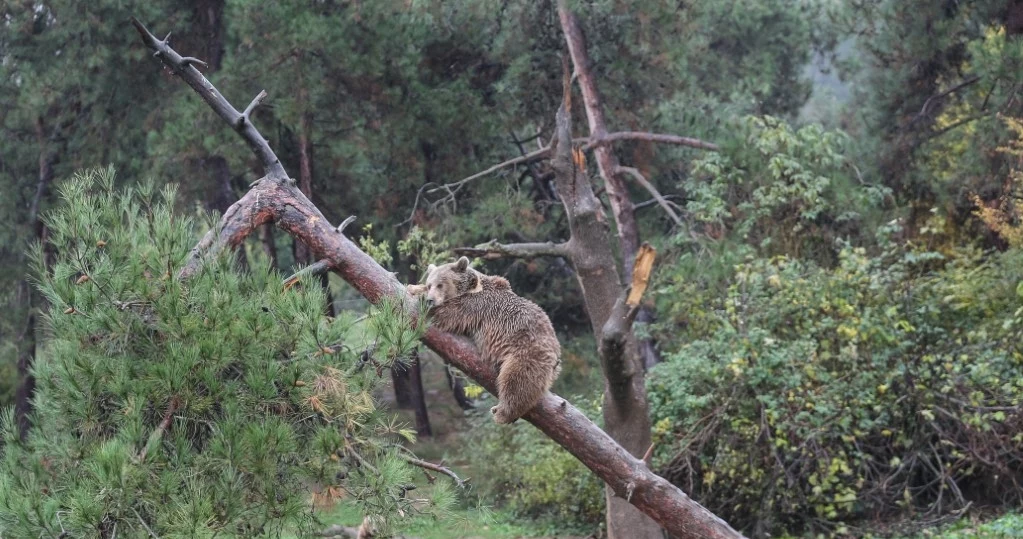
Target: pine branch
column 493, row 250
column 461, row 483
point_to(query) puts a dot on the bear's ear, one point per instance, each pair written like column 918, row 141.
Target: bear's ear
column 430, row 269
column 477, row 282
column 461, row 264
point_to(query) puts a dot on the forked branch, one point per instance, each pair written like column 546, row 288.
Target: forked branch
column 459, row 482
column 184, row 67
column 641, row 180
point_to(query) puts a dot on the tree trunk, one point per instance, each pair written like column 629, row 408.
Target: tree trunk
column 419, row 397
column 266, row 238
column 626, row 413
column 27, row 345
column 457, row 386
column 26, row 382
column 402, row 382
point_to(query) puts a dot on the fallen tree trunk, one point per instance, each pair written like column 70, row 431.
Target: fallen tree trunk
column 275, row 198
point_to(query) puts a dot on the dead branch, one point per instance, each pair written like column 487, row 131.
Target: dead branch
column 184, row 68
column 529, row 157
column 319, row 268
column 641, row 180
column 586, row 144
column 493, row 250
column 283, row 203
column 654, row 202
column 674, row 140
column 436, row 468
column 165, row 424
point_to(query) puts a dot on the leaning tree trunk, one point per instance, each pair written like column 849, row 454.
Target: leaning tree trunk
column 626, row 413
column 275, row 198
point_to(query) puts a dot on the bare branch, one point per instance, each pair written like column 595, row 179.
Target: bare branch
column 318, row 268
column 654, row 202
column 436, row 468
column 191, row 61
column 640, row 179
column 185, row 69
column 529, row 157
column 141, row 520
column 344, row 224
column 493, row 250
column 247, row 113
column 675, row 140
column 165, row 424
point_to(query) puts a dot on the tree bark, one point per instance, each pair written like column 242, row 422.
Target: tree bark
column 418, row 396
column 626, row 413
column 457, row 387
column 276, row 199
column 27, row 342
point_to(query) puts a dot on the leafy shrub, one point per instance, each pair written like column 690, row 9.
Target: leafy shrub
column 781, row 189
column 810, row 398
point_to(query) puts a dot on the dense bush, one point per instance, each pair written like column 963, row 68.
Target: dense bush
column 888, row 386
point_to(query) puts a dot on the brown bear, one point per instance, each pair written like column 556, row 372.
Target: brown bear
column 512, row 333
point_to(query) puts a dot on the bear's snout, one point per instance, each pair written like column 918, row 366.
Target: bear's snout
column 429, row 302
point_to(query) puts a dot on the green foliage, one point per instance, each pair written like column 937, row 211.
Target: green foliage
column 193, row 408
column 783, row 189
column 534, row 477
column 809, row 397
column 423, row 247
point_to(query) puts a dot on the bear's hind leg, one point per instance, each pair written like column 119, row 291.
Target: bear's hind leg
column 520, row 386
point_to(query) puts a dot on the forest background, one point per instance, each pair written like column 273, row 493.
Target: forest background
column 831, row 336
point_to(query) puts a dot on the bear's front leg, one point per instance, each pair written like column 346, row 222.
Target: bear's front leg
column 416, row 290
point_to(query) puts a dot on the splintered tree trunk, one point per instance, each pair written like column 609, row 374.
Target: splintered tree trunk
column 626, row 414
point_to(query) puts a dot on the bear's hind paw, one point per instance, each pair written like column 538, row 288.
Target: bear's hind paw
column 502, row 416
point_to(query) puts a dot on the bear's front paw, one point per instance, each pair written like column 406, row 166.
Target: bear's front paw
column 502, row 416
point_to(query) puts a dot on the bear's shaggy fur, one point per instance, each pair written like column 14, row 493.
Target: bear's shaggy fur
column 512, row 333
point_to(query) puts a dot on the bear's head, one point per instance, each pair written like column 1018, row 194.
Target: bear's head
column 450, row 281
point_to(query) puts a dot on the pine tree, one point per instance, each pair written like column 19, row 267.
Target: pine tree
column 213, row 406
